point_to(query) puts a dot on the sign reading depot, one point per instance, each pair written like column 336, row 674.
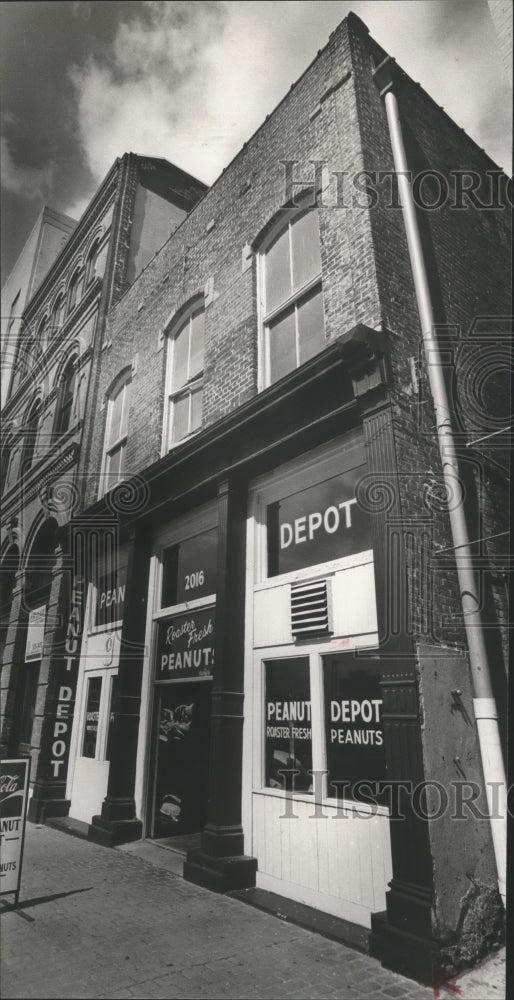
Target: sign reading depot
column 315, row 525
column 185, row 645
column 14, row 779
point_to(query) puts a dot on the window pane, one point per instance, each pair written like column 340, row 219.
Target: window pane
column 196, row 410
column 311, row 327
column 305, row 249
column 114, row 463
column 282, row 346
column 169, row 576
column 197, row 342
column 353, row 724
column 288, row 736
column 180, row 419
column 125, row 410
column 115, row 415
column 180, row 353
column 197, row 565
column 278, row 274
column 317, row 524
column 94, row 690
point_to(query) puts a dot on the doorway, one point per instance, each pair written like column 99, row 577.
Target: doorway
column 181, row 758
column 91, row 771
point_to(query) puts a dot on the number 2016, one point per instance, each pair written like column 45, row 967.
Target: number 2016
column 194, row 579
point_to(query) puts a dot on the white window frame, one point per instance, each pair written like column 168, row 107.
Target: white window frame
column 189, row 386
column 266, row 318
column 121, row 386
column 313, row 467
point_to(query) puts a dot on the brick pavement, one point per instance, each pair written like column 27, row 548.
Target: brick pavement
column 100, row 924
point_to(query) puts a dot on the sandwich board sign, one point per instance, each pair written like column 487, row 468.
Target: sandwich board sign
column 14, row 783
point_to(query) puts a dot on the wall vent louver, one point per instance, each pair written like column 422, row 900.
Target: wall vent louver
column 309, row 609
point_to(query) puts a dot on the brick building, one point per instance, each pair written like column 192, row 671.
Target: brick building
column 273, row 612
column 59, row 316
column 47, row 238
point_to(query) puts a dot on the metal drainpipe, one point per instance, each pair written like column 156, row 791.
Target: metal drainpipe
column 483, row 702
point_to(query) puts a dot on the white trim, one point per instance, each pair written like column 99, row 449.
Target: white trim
column 284, row 223
column 186, row 390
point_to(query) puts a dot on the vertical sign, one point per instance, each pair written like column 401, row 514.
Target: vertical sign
column 14, row 782
column 59, row 731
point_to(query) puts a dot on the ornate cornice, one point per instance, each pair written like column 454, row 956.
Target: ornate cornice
column 46, row 470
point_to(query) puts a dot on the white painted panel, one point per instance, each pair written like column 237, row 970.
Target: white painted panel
column 353, row 606
column 354, row 601
column 272, row 616
column 90, row 785
column 339, row 862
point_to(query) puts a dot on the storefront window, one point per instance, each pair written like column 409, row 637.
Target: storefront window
column 189, row 569
column 317, row 524
column 110, row 597
column 288, row 733
column 353, row 726
column 185, row 645
column 94, row 691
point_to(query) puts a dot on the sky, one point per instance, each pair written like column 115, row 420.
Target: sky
column 82, row 83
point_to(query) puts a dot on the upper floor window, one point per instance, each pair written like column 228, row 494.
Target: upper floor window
column 65, row 398
column 74, row 290
column 29, row 443
column 184, row 377
column 42, row 333
column 91, row 263
column 292, row 300
column 116, row 435
column 58, row 313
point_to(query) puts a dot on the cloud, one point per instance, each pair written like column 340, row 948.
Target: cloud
column 140, row 98
column 34, row 183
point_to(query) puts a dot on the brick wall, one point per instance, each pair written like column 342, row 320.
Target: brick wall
column 333, row 115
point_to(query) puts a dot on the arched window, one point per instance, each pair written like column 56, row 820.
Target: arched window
column 292, row 301
column 6, row 453
column 74, row 290
column 65, row 396
column 115, row 445
column 29, row 443
column 184, row 377
column 8, row 571
column 42, row 333
column 91, row 263
column 57, row 314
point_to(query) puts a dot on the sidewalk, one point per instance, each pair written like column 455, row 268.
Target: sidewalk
column 100, row 923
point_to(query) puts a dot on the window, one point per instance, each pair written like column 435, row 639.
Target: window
column 29, row 445
column 42, row 333
column 75, row 290
column 184, row 378
column 189, row 569
column 91, row 264
column 57, row 313
column 116, row 435
column 292, row 300
column 65, row 399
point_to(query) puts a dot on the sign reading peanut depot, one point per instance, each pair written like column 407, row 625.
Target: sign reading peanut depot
column 185, row 646
column 14, row 781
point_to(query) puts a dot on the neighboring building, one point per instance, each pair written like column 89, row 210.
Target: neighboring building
column 501, row 13
column 272, row 611
column 47, row 238
column 141, row 201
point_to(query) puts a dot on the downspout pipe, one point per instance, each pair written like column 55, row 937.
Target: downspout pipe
column 483, row 701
